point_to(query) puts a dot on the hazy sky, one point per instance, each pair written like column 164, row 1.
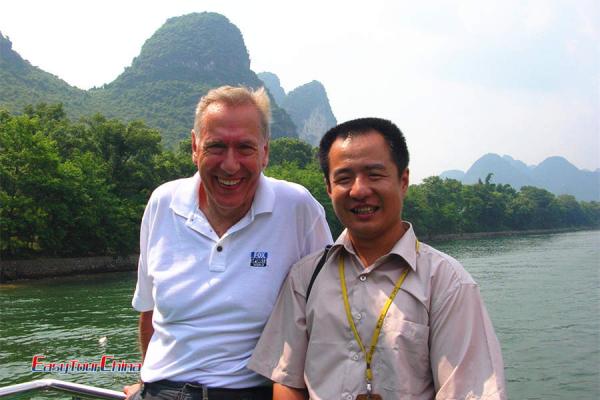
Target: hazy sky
column 460, row 78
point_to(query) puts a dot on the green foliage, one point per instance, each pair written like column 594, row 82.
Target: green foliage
column 443, row 206
column 292, row 151
column 79, row 188
column 29, row 166
column 202, row 47
column 73, row 189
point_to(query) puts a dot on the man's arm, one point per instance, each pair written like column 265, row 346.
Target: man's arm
column 145, row 331
column 465, row 353
column 282, row 392
column 281, row 350
column 145, row 334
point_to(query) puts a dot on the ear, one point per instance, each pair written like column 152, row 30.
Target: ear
column 404, row 181
column 328, row 186
column 194, row 148
column 265, row 160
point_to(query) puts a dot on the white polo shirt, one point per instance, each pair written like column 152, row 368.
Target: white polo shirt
column 212, row 296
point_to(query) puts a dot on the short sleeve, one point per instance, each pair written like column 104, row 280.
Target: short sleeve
column 319, row 235
column 142, row 297
column 466, row 360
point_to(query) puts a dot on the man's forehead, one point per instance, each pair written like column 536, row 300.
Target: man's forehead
column 366, row 151
column 355, row 137
column 224, row 115
column 359, row 142
column 226, row 108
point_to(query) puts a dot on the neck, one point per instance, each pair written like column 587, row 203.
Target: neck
column 220, row 219
column 369, row 249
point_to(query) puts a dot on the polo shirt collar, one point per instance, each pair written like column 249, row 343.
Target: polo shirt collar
column 406, row 247
column 185, row 199
column 264, row 198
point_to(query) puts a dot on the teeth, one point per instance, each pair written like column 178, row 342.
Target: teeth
column 363, row 210
column 229, row 182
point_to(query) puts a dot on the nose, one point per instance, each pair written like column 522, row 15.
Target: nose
column 360, row 188
column 230, row 163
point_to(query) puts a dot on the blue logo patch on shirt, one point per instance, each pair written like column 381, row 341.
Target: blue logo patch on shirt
column 258, row 258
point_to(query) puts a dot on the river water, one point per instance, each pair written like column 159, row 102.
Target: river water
column 542, row 293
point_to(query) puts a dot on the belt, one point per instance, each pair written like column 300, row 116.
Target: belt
column 203, row 392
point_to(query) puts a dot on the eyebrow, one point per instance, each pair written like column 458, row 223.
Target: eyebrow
column 211, row 142
column 368, row 168
column 375, row 166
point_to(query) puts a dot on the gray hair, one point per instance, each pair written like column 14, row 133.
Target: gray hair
column 237, row 96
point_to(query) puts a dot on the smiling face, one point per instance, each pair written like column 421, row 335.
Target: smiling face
column 230, row 153
column 366, row 189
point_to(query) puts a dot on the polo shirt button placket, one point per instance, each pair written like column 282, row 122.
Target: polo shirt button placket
column 218, row 260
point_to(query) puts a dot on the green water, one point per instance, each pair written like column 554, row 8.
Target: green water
column 543, row 295
column 64, row 319
column 542, row 292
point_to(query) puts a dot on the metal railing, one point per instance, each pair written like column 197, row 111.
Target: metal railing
column 75, row 389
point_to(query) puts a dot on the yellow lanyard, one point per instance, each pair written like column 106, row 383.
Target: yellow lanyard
column 382, row 314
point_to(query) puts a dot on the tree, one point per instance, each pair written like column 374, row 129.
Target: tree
column 291, row 151
column 534, row 208
column 434, row 206
column 129, row 151
column 81, row 198
column 486, row 206
column 29, row 169
column 570, row 211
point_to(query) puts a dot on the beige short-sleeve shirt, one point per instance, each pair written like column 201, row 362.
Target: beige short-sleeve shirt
column 437, row 339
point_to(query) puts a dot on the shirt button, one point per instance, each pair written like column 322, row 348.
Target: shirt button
column 358, row 316
column 349, row 397
column 355, row 357
column 362, row 278
column 219, row 248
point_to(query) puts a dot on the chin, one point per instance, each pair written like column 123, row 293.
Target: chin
column 363, row 233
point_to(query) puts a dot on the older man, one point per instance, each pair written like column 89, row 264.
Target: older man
column 388, row 316
column 214, row 251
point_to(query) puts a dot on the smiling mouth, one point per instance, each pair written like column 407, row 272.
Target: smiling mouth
column 228, row 182
column 366, row 210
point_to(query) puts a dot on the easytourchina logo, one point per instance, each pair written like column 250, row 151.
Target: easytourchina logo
column 105, row 364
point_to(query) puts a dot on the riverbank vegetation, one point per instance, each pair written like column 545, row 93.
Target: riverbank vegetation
column 78, row 188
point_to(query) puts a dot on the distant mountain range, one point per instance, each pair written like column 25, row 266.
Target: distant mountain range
column 555, row 174
column 178, row 64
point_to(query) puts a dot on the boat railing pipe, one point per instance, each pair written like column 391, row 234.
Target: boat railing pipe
column 61, row 386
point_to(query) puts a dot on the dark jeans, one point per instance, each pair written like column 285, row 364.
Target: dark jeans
column 169, row 390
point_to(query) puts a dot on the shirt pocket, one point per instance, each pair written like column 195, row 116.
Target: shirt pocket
column 404, row 357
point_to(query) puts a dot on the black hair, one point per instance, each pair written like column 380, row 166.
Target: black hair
column 390, row 132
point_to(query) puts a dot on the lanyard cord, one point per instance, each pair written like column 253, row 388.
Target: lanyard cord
column 382, row 314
